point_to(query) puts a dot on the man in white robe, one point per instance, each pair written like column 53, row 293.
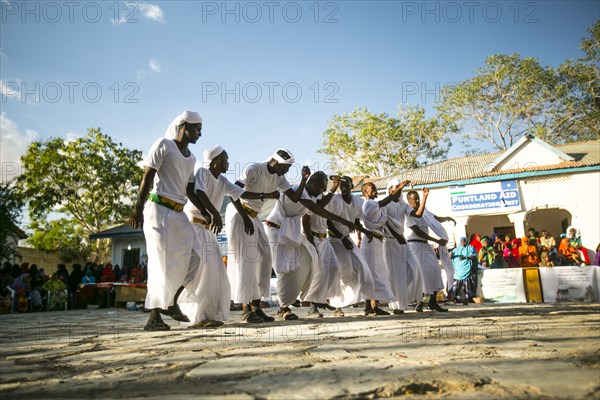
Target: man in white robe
column 209, row 304
column 421, row 254
column 375, row 220
column 295, row 257
column 356, row 281
column 173, row 250
column 394, row 247
column 249, row 259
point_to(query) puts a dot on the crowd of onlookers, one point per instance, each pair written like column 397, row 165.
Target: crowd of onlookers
column 537, row 249
column 27, row 288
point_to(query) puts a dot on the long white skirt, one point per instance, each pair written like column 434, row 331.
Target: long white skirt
column 325, row 282
column 356, row 281
column 211, row 296
column 374, row 254
column 448, row 275
column 294, row 284
column 248, row 259
column 395, row 259
column 422, row 256
column 172, row 261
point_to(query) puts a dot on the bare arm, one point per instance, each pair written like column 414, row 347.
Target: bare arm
column 136, row 220
column 394, row 195
column 399, row 237
column 425, row 236
column 296, row 195
column 306, row 227
column 444, row 219
column 324, row 213
column 327, row 198
column 202, row 199
column 419, row 212
column 248, row 225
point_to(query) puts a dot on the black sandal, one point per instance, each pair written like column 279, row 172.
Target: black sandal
column 156, row 326
column 286, row 314
column 175, row 313
column 251, row 318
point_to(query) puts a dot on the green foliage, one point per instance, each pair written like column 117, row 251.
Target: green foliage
column 10, row 211
column 91, row 181
column 362, row 142
column 511, row 96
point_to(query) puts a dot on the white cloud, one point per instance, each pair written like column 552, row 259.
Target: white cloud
column 141, row 73
column 154, row 66
column 13, row 144
column 2, row 55
column 10, row 89
column 151, row 11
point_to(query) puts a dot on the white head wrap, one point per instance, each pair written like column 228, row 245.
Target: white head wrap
column 211, row 153
column 191, row 117
column 393, row 182
column 280, row 159
column 577, row 233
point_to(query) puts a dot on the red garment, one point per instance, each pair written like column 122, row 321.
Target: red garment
column 476, row 242
column 108, row 275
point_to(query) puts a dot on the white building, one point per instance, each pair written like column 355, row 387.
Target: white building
column 532, row 184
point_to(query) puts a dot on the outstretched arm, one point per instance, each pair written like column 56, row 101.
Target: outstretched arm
column 444, row 219
column 425, row 236
column 394, row 194
column 419, row 212
column 296, row 195
column 327, row 198
column 324, row 213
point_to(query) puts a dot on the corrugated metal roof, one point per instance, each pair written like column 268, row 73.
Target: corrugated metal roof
column 117, row 231
column 471, row 167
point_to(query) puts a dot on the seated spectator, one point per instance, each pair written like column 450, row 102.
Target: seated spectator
column 137, row 274
column 507, row 254
column 570, row 247
column 108, row 274
column 6, row 293
column 89, row 277
column 529, row 253
column 106, row 292
column 597, row 257
column 118, row 273
column 547, row 241
column 23, row 288
column 57, row 289
column 486, row 253
column 74, row 280
column 475, row 241
column 545, row 260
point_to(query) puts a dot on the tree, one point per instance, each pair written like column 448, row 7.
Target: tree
column 90, row 182
column 511, row 96
column 378, row 145
column 10, row 211
column 578, row 113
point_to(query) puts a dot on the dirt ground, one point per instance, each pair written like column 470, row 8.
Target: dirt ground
column 487, row 351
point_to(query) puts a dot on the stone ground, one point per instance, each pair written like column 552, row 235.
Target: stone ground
column 488, row 351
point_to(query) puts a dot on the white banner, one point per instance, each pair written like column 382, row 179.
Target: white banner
column 569, row 284
column 503, row 285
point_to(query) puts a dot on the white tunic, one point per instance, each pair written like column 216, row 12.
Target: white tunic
column 169, row 235
column 439, row 230
column 295, row 259
column 249, row 259
column 396, row 253
column 212, row 294
column 422, row 256
column 374, row 220
column 356, row 279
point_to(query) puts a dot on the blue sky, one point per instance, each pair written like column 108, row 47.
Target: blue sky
column 262, row 74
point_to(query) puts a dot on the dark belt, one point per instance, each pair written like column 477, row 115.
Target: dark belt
column 272, row 224
column 378, row 235
column 319, row 235
column 417, row 240
column 333, row 235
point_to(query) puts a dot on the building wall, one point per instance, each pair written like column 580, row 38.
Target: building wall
column 575, row 194
column 120, row 244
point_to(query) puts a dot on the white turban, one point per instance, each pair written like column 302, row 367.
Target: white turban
column 191, row 117
column 212, row 153
column 393, row 182
column 281, row 160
